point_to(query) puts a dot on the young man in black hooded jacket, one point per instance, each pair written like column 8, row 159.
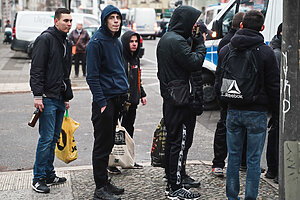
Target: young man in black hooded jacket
column 131, row 46
column 176, row 62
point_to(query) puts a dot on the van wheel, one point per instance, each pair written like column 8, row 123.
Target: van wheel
column 209, row 96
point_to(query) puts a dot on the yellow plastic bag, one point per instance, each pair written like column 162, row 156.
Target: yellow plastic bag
column 66, row 149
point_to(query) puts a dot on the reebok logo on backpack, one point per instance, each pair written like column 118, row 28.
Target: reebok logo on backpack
column 240, row 84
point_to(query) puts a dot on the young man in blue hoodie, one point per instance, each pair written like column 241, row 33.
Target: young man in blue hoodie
column 252, row 116
column 108, row 83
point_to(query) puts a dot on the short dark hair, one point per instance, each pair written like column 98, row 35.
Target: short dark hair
column 254, row 20
column 237, row 19
column 60, row 11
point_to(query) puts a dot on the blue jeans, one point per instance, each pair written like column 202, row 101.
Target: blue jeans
column 256, row 125
column 50, row 122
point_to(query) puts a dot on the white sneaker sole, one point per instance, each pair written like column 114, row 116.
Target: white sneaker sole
column 177, row 198
column 37, row 190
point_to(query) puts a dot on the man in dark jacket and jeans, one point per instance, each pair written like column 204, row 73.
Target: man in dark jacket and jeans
column 51, row 87
column 176, row 62
column 220, row 147
column 251, row 116
column 108, row 83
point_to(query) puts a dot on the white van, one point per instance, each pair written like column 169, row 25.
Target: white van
column 143, row 21
column 28, row 25
column 273, row 11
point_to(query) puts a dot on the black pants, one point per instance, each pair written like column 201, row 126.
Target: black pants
column 220, row 146
column 128, row 120
column 178, row 141
column 272, row 148
column 104, row 134
column 80, row 57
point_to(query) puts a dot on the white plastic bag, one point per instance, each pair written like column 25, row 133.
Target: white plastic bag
column 122, row 153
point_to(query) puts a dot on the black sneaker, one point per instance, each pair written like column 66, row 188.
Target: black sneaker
column 113, row 170
column 110, row 187
column 137, row 166
column 40, row 186
column 189, row 182
column 270, row 175
column 183, row 194
column 55, row 180
column 103, row 194
column 276, row 180
column 167, row 191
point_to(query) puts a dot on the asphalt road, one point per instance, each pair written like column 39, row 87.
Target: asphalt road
column 18, row 141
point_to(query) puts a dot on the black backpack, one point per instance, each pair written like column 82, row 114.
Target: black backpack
column 240, row 84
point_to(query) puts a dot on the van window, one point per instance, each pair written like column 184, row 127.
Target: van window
column 209, row 16
column 88, row 21
column 246, row 5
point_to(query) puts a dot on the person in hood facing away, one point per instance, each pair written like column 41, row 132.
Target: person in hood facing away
column 131, row 47
column 251, row 117
column 176, row 62
column 51, row 88
column 273, row 135
column 108, row 83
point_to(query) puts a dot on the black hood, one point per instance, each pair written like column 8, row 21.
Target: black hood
column 183, row 20
column 246, row 38
column 61, row 36
column 276, row 42
column 126, row 49
column 105, row 13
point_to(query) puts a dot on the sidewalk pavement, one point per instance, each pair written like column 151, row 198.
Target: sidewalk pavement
column 139, row 184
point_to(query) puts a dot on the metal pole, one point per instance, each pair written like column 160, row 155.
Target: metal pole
column 289, row 138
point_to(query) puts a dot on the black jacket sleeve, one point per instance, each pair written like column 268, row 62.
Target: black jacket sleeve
column 40, row 56
column 185, row 57
column 218, row 73
column 196, row 97
column 272, row 82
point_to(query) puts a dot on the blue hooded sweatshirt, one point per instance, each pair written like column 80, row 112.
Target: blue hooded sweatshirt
column 106, row 76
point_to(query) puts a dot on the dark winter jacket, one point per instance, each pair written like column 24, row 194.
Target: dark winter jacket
column 132, row 68
column 226, row 39
column 175, row 57
column 276, row 46
column 267, row 71
column 106, row 76
column 51, row 65
column 82, row 43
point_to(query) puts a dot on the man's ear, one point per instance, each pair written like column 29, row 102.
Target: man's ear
column 55, row 21
column 262, row 28
column 241, row 25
